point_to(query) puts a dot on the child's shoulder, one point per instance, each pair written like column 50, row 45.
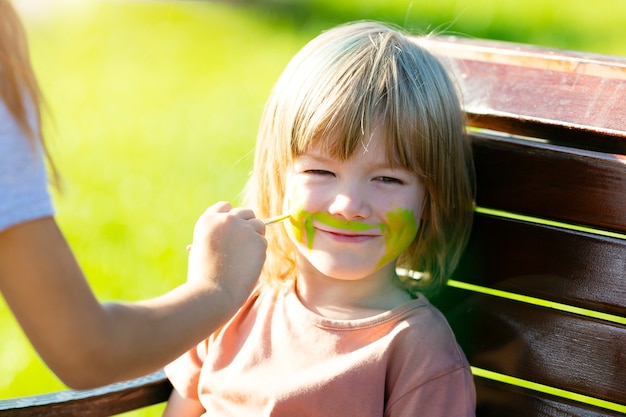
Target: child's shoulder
column 268, row 292
column 426, row 325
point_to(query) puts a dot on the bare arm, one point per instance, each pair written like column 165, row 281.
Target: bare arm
column 89, row 344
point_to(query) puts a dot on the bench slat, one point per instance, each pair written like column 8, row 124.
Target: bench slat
column 564, row 266
column 538, row 344
column 571, row 98
column 497, row 399
column 540, row 180
column 100, row 402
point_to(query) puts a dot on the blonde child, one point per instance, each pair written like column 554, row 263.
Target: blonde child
column 362, row 143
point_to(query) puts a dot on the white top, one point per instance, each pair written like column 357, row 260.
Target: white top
column 24, row 191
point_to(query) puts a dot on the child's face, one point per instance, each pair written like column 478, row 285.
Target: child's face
column 351, row 218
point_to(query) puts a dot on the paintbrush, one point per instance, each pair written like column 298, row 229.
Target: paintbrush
column 269, row 220
column 275, row 219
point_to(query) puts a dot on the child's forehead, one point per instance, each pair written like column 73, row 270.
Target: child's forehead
column 345, row 146
column 374, row 149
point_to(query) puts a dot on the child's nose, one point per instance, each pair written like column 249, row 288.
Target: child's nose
column 350, row 205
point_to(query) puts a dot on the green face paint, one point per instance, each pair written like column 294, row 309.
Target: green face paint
column 302, row 222
column 399, row 230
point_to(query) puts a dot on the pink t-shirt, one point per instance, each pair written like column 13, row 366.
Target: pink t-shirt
column 277, row 358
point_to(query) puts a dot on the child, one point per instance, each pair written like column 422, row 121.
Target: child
column 362, row 143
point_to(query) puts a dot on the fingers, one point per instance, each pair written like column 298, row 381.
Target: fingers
column 223, row 213
column 247, row 214
column 226, row 207
column 258, row 226
column 243, row 213
column 221, row 207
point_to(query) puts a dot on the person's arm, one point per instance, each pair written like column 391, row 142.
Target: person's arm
column 89, row 344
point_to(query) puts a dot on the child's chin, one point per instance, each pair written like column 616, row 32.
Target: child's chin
column 345, row 273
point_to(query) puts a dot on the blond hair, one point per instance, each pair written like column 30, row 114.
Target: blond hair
column 343, row 84
column 19, row 89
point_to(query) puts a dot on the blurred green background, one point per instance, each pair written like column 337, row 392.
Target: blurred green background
column 155, row 105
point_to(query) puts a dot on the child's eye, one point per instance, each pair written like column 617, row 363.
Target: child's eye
column 318, row 172
column 389, row 180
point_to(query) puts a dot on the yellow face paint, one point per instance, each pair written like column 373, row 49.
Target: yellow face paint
column 302, row 222
column 399, row 230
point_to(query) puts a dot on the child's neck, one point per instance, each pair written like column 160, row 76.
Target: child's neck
column 350, row 299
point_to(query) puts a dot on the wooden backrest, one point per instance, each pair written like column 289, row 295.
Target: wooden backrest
column 100, row 402
column 538, row 302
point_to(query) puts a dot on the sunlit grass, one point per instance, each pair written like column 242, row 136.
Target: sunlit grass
column 156, row 106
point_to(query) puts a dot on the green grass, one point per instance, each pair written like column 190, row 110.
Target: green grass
column 156, row 105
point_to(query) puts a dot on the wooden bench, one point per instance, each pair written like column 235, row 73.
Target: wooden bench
column 538, row 302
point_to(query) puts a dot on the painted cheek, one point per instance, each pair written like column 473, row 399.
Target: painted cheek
column 399, row 231
column 302, row 226
column 294, row 205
